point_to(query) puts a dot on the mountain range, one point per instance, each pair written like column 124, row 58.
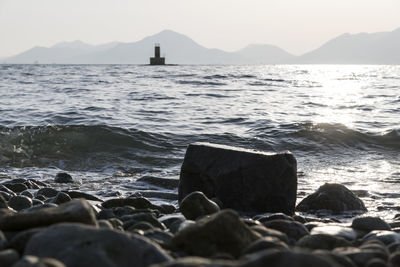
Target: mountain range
column 362, row 48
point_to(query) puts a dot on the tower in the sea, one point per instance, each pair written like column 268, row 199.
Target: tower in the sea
column 157, row 59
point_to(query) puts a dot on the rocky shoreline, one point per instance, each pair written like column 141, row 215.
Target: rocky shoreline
column 41, row 226
column 44, row 226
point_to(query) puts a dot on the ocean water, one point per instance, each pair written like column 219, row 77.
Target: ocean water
column 123, row 129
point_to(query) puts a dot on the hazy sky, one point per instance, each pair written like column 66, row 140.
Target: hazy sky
column 295, row 25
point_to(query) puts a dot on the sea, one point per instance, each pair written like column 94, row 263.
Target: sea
column 124, row 129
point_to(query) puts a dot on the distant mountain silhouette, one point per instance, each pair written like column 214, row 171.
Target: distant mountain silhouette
column 363, row 48
column 265, row 54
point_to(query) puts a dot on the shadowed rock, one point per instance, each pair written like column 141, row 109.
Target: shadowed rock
column 63, row 178
column 243, row 180
column 333, row 197
column 196, row 204
column 80, row 245
column 223, row 232
column 73, row 211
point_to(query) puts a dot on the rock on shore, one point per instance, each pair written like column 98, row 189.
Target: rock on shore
column 243, row 180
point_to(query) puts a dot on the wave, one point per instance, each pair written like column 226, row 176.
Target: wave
column 328, row 136
column 83, row 147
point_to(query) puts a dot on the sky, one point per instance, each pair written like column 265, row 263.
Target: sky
column 297, row 26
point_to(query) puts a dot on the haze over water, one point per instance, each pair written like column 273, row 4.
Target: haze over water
column 109, row 125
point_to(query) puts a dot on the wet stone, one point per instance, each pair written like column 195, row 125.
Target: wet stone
column 332, row 197
column 47, row 192
column 63, row 177
column 336, row 230
column 61, row 198
column 20, row 202
column 387, row 237
column 196, row 204
column 369, row 224
column 223, row 232
column 73, row 211
column 79, row 245
column 26, row 193
column 267, row 232
column 16, row 188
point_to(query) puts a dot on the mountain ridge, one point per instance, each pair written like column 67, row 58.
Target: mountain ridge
column 360, row 48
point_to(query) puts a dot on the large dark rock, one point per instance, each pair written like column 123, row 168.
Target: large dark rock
column 73, row 211
column 80, row 246
column 223, row 232
column 196, row 204
column 244, row 180
column 333, row 197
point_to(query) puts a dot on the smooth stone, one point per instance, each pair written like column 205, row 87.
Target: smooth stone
column 264, row 243
column 387, row 237
column 268, row 232
column 8, row 257
column 20, row 202
column 47, row 192
column 294, row 230
column 322, row 241
column 77, row 194
column 244, row 180
column 360, row 257
column 223, row 232
column 271, row 217
column 280, row 258
column 369, row 224
column 16, row 188
column 78, row 245
column 32, row 261
column 26, row 193
column 196, row 204
column 73, row 211
column 336, row 230
column 64, row 178
column 61, row 198
column 136, row 202
column 333, row 197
